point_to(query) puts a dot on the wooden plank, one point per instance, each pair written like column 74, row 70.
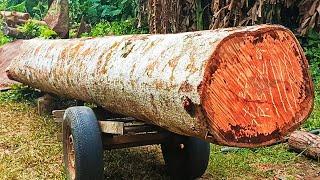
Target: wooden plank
column 45, row 104
column 119, row 142
column 112, row 127
column 58, row 113
column 58, row 120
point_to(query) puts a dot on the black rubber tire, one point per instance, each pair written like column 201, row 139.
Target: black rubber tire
column 186, row 157
column 82, row 124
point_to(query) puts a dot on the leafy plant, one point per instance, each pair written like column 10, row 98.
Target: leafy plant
column 96, row 10
column 312, row 49
column 37, row 9
column 19, row 93
column 3, row 38
column 32, row 29
column 116, row 28
column 21, row 7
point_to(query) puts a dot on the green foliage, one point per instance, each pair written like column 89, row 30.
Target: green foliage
column 32, row 29
column 3, row 38
column 19, row 93
column 21, row 7
column 116, row 28
column 96, row 10
column 37, row 9
column 312, row 49
column 249, row 162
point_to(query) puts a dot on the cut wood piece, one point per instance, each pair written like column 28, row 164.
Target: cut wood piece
column 45, row 104
column 58, row 113
column 119, row 142
column 13, row 32
column 58, row 120
column 16, row 15
column 57, row 17
column 111, row 127
column 13, row 18
column 306, row 143
column 243, row 87
column 83, row 28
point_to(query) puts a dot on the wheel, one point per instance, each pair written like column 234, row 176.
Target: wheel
column 186, row 157
column 82, row 144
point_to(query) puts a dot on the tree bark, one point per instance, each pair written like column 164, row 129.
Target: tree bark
column 57, row 17
column 169, row 16
column 307, row 143
column 244, row 87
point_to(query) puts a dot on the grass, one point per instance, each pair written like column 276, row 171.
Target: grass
column 261, row 163
column 28, row 144
column 30, row 149
column 314, row 120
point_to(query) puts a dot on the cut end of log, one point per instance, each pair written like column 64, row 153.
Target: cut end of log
column 256, row 88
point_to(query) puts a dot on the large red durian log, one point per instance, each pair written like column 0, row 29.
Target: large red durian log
column 244, row 87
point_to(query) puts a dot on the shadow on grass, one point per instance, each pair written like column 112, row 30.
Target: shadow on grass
column 135, row 163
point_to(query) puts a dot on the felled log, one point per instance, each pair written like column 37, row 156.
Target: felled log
column 16, row 32
column 13, row 18
column 13, row 32
column 243, row 87
column 306, row 143
column 17, row 15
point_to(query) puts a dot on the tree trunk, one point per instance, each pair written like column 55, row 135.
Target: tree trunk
column 244, row 87
column 169, row 16
column 57, row 17
column 307, row 143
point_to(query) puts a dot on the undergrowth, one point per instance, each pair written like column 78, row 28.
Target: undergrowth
column 33, row 29
column 312, row 50
column 116, row 28
column 20, row 93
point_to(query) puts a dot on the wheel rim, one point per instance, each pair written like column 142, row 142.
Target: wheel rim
column 71, row 155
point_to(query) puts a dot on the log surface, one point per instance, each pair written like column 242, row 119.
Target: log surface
column 244, row 87
column 306, row 143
